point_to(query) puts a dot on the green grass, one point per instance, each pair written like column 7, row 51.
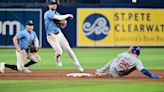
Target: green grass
column 80, row 86
column 90, row 58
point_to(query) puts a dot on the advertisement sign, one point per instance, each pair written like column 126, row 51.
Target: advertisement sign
column 119, row 27
column 13, row 21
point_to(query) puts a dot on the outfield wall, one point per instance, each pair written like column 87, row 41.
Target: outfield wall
column 98, row 25
column 120, row 27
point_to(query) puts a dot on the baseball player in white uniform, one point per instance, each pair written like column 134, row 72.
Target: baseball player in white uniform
column 53, row 24
column 124, row 64
column 23, row 42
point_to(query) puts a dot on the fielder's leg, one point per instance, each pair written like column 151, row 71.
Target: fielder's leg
column 31, row 62
column 21, row 57
column 13, row 67
column 65, row 45
column 34, row 58
column 4, row 65
column 53, row 41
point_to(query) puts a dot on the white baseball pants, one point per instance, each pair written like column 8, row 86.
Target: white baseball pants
column 59, row 43
column 22, row 56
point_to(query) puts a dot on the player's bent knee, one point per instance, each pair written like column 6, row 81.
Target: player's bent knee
column 39, row 59
column 36, row 58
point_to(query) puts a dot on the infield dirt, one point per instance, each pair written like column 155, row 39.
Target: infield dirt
column 53, row 74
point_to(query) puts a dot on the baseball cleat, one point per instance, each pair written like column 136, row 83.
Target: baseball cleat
column 59, row 64
column 96, row 75
column 26, row 70
column 100, row 73
column 2, row 67
column 80, row 68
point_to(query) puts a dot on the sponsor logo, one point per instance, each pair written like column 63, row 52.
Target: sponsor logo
column 9, row 26
column 96, row 27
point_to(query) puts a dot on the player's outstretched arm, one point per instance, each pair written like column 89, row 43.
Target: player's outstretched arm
column 62, row 17
column 147, row 73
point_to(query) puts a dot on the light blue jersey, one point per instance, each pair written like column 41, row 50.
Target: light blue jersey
column 50, row 26
column 26, row 38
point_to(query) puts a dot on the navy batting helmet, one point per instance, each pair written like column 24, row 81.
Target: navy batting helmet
column 136, row 50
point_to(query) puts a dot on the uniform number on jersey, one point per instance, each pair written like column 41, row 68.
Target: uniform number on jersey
column 124, row 65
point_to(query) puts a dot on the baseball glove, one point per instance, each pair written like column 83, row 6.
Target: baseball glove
column 60, row 23
column 32, row 49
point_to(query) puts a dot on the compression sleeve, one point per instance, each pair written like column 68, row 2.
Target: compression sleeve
column 60, row 17
column 146, row 72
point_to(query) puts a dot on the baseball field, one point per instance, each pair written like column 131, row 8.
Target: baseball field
column 47, row 77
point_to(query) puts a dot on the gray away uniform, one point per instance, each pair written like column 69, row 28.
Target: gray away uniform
column 122, row 65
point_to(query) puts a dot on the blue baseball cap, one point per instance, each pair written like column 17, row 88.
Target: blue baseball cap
column 52, row 2
column 136, row 50
column 30, row 22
